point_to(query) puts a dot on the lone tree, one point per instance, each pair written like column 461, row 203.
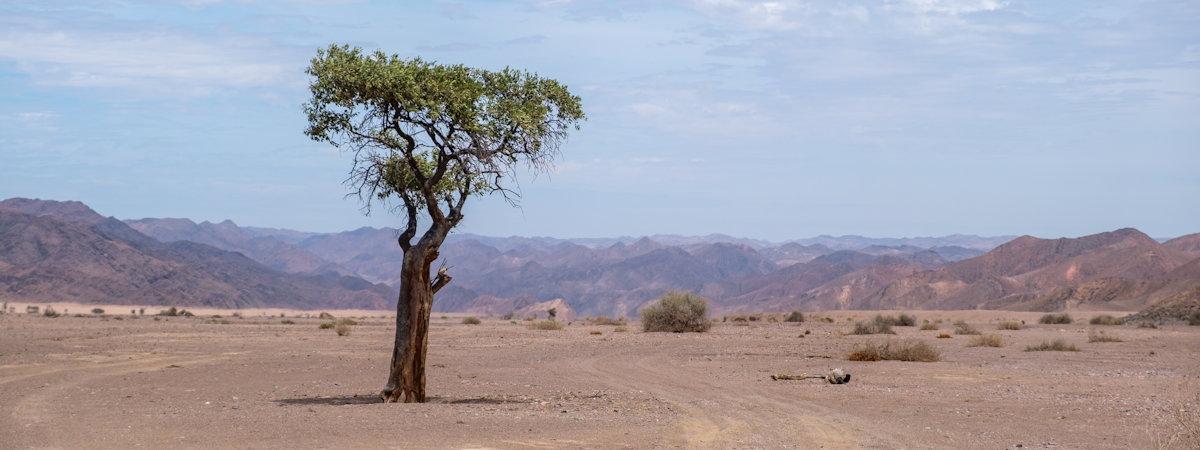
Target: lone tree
column 425, row 138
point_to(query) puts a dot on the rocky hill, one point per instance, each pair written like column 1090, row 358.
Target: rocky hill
column 64, row 251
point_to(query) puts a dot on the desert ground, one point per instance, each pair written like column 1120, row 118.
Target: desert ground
column 256, row 381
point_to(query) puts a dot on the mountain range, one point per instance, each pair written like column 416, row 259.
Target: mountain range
column 65, row 251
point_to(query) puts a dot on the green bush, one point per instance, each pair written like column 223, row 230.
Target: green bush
column 677, row 312
column 1056, row 319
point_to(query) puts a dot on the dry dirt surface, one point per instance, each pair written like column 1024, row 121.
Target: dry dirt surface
column 120, row 381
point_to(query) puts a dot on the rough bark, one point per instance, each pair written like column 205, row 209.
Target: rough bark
column 406, row 382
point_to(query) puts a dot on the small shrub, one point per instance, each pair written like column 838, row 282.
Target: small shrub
column 326, row 316
column 1009, row 325
column 987, row 340
column 50, row 312
column 961, row 327
column 1104, row 319
column 1194, row 319
column 872, row 327
column 471, row 321
column 185, row 313
column 236, row 314
column 1057, row 345
column 620, row 330
column 97, row 311
column 895, row 351
column 171, row 312
column 795, row 316
column 546, row 325
column 905, row 320
column 325, row 326
column 677, row 312
column 509, row 316
column 595, row 332
column 1056, row 319
column 1100, row 336
column 927, row 326
column 287, row 322
column 342, row 328
column 347, row 321
column 1147, row 324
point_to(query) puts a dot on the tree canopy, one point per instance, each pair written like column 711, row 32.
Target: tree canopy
column 432, row 135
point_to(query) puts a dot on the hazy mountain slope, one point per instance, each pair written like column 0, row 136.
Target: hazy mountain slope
column 839, row 280
column 1189, row 244
column 72, row 254
column 1032, row 273
column 271, row 252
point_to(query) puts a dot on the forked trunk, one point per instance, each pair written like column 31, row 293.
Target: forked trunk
column 406, row 383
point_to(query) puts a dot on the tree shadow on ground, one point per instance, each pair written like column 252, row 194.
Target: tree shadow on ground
column 370, row 399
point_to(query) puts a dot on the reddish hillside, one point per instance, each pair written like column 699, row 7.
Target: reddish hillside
column 1101, row 270
column 46, row 258
column 1189, row 244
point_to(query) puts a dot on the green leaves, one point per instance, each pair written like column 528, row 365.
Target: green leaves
column 432, row 134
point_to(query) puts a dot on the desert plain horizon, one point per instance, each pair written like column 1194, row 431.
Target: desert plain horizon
column 521, row 208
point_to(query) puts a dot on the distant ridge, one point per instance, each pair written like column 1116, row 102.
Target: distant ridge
column 179, row 261
column 64, row 251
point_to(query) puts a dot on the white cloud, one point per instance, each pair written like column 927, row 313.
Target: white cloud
column 146, row 60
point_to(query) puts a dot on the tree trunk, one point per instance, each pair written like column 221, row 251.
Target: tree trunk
column 406, row 383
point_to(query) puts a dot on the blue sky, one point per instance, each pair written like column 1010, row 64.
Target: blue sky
column 775, row 120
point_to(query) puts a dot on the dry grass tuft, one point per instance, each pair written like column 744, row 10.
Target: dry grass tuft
column 471, row 320
column 961, row 327
column 1056, row 319
column 872, row 327
column 895, row 351
column 1148, row 324
column 1100, row 336
column 795, row 316
column 325, row 326
column 595, row 332
column 342, row 328
column 944, row 335
column 1057, row 345
column 1009, row 325
column 678, row 312
column 927, row 326
column 987, row 340
column 546, row 325
column 599, row 320
column 1104, row 319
